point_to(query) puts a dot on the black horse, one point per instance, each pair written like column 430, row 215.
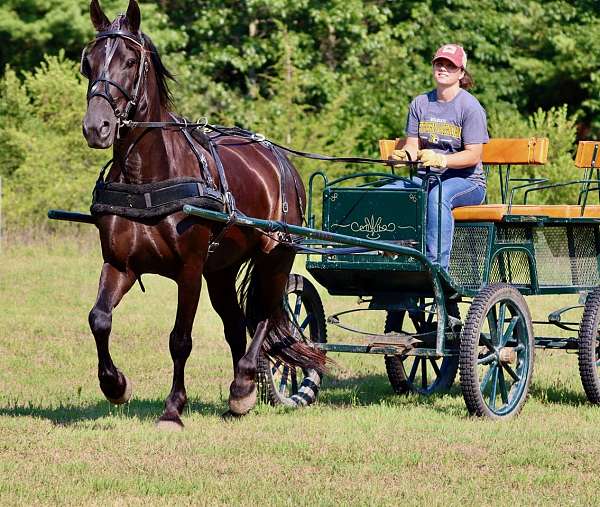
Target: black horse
column 127, row 81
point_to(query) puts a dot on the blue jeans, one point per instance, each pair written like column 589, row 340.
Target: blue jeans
column 456, row 192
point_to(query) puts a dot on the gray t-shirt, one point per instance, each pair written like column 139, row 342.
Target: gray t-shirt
column 446, row 127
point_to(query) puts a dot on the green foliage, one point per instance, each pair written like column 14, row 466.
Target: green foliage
column 555, row 124
column 44, row 158
column 329, row 77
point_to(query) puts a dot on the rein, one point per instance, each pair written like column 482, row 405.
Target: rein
column 255, row 137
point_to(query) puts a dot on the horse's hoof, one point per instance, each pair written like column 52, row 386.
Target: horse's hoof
column 126, row 396
column 230, row 416
column 241, row 406
column 169, row 424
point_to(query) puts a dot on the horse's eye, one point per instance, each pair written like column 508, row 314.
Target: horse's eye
column 85, row 68
column 131, row 62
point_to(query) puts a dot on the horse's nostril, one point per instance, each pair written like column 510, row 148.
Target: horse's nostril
column 105, row 128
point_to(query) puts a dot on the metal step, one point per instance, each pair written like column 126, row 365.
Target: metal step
column 557, row 343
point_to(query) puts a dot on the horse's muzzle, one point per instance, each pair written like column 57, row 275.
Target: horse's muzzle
column 99, row 124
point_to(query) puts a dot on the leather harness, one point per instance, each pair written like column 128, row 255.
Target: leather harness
column 160, row 199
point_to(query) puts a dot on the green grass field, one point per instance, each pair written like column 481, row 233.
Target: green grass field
column 62, row 443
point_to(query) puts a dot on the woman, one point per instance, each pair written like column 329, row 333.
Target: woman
column 446, row 129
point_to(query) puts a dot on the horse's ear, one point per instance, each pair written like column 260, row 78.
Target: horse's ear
column 99, row 19
column 134, row 17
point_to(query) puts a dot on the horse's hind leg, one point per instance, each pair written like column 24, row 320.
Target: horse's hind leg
column 114, row 284
column 189, row 284
column 223, row 297
column 269, row 281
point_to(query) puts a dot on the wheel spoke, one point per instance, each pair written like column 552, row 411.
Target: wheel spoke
column 487, row 377
column 298, row 306
column 294, row 381
column 431, row 314
column 306, row 322
column 423, row 373
column 509, row 330
column 487, row 359
column 275, row 366
column 503, row 390
column 511, row 372
column 492, row 319
column 500, row 327
column 435, row 367
column 484, row 338
column 284, row 378
column 494, row 388
column 413, row 370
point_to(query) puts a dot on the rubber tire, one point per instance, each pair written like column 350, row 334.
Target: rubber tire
column 394, row 366
column 469, row 343
column 589, row 347
column 268, row 392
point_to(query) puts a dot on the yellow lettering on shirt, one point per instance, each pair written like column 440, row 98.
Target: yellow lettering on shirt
column 439, row 128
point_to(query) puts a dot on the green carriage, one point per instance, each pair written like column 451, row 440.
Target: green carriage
column 371, row 244
column 500, row 254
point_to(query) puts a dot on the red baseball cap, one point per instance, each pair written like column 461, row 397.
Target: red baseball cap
column 453, row 52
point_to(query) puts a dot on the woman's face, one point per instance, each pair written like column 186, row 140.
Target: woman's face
column 446, row 73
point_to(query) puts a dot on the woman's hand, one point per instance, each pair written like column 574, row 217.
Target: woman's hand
column 468, row 157
column 401, row 155
column 430, row 158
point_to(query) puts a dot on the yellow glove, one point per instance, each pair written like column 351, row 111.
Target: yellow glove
column 430, row 158
column 400, row 155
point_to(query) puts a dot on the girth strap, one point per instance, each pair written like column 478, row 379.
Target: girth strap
column 105, row 195
column 153, row 199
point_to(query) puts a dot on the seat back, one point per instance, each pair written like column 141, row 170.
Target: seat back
column 516, row 151
column 387, row 146
column 587, row 154
column 499, row 151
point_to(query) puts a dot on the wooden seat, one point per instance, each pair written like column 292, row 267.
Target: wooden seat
column 587, row 153
column 500, row 151
column 507, row 152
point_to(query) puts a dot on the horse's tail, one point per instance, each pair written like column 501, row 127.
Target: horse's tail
column 281, row 342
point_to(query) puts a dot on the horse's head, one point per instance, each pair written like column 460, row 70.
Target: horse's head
column 117, row 64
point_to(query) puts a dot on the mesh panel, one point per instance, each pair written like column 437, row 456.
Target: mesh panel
column 513, row 235
column 584, row 263
column 566, row 255
column 552, row 255
column 511, row 267
column 467, row 259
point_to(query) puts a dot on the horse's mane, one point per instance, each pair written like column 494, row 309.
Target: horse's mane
column 162, row 73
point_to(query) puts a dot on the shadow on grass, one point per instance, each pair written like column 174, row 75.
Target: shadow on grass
column 372, row 389
column 142, row 409
column 558, row 395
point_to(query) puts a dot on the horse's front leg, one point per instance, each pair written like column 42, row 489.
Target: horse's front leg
column 114, row 284
column 189, row 284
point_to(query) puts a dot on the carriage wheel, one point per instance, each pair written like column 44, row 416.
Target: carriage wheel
column 496, row 353
column 589, row 347
column 423, row 375
column 279, row 382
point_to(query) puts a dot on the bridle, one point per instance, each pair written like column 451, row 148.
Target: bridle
column 100, row 86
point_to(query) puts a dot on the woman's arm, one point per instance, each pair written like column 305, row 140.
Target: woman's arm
column 469, row 157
